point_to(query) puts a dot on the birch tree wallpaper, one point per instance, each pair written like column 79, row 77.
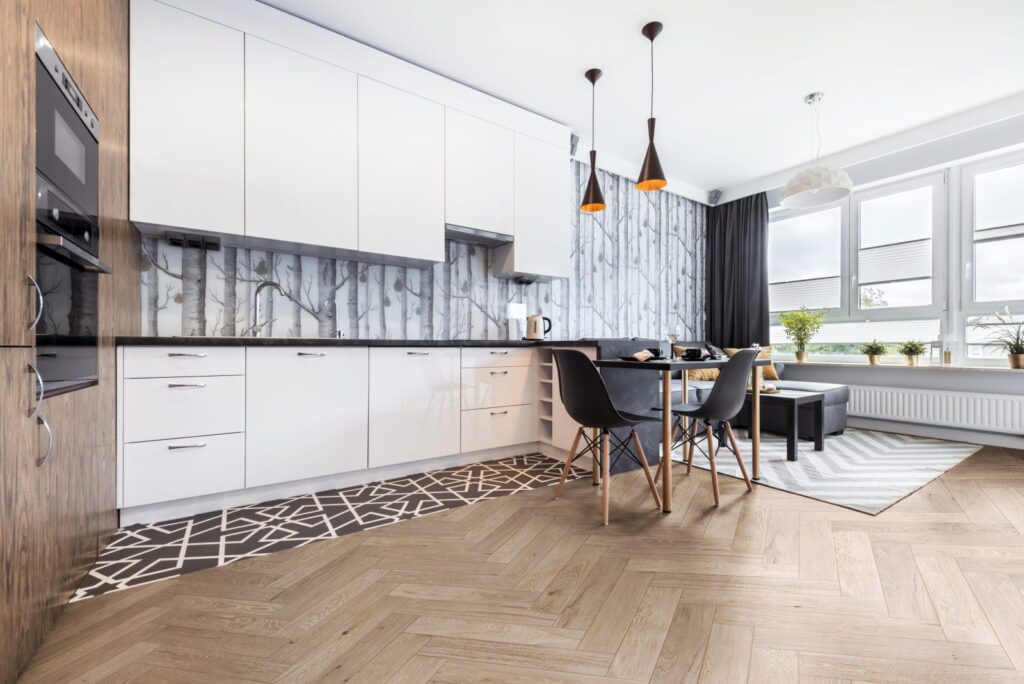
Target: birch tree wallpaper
column 638, row 271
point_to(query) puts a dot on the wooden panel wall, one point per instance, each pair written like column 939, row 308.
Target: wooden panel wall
column 67, row 508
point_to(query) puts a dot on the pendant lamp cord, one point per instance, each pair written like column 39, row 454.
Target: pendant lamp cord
column 593, row 124
column 816, row 110
column 652, row 78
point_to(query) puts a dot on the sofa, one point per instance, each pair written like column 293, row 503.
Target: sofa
column 773, row 417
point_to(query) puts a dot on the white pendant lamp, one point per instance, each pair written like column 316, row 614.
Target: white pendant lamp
column 816, row 185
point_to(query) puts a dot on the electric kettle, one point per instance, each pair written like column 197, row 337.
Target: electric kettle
column 537, row 327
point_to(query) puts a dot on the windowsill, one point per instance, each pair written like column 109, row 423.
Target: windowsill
column 887, row 366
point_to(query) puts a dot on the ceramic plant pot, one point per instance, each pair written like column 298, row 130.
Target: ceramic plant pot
column 912, row 360
column 801, row 357
column 1016, row 360
column 873, row 359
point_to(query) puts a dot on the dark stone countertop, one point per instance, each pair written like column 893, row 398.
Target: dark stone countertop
column 144, row 341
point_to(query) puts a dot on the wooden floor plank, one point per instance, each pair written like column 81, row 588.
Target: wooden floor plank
column 770, row 587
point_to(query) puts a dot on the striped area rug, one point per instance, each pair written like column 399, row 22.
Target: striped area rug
column 864, row 470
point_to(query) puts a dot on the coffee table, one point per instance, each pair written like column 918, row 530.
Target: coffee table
column 792, row 400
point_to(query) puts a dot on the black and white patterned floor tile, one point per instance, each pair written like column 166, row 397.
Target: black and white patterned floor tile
column 141, row 554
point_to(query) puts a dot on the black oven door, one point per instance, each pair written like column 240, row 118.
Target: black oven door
column 67, row 154
column 67, row 329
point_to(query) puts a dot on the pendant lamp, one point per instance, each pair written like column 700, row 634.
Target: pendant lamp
column 816, row 185
column 651, row 175
column 593, row 198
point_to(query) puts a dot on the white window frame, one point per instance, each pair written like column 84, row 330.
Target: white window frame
column 849, row 310
column 968, row 307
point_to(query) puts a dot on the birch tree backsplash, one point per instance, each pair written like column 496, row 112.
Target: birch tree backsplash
column 638, row 270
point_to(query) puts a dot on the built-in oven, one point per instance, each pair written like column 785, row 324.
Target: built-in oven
column 67, row 228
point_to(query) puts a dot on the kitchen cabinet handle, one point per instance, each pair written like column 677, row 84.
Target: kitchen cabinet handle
column 412, row 353
column 190, row 355
column 42, row 391
column 181, row 385
column 499, row 372
column 500, row 353
column 49, row 443
column 39, row 303
column 498, row 413
column 311, row 353
column 198, row 445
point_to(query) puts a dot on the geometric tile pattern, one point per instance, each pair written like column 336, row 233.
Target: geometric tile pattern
column 141, row 554
column 865, row 470
column 769, row 587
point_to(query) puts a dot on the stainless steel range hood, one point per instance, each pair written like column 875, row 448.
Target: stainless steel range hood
column 476, row 235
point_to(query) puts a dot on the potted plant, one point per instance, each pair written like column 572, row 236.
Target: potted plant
column 1010, row 337
column 874, row 350
column 912, row 349
column 800, row 327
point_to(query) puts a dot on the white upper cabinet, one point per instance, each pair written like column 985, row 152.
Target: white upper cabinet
column 414, row 404
column 543, row 229
column 300, row 148
column 306, row 412
column 401, row 173
column 479, row 162
column 187, row 121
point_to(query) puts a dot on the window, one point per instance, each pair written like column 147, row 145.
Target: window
column 895, row 249
column 805, row 261
column 873, row 263
column 999, row 235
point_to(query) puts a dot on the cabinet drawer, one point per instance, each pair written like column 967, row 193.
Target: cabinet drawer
column 489, row 387
column 166, row 408
column 171, row 362
column 498, row 427
column 480, row 357
column 182, row 468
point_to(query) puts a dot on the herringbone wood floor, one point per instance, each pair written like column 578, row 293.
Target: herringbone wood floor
column 770, row 587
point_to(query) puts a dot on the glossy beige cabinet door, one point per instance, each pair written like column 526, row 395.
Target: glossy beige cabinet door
column 401, row 173
column 306, row 413
column 414, row 404
column 300, row 148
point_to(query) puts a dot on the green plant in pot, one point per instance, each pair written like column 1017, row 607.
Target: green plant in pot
column 912, row 350
column 874, row 350
column 1009, row 336
column 800, row 327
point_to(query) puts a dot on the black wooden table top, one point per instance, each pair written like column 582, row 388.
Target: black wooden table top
column 669, row 365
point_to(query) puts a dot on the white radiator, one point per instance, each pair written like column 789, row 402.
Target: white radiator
column 1002, row 413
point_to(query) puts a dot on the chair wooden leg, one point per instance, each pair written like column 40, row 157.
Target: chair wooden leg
column 689, row 447
column 739, row 461
column 605, row 477
column 647, row 468
column 711, row 457
column 595, row 465
column 568, row 462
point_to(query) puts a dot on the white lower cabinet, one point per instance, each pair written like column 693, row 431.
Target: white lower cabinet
column 181, row 468
column 306, row 412
column 414, row 404
column 491, row 428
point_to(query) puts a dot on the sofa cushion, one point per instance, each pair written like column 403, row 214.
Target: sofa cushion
column 768, row 372
column 834, row 394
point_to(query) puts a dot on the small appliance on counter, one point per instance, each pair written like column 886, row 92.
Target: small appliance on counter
column 537, row 327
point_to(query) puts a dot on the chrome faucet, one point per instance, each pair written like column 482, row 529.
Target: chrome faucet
column 256, row 325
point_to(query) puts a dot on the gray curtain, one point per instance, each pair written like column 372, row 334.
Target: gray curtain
column 737, row 273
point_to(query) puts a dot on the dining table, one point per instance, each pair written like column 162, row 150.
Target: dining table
column 667, row 367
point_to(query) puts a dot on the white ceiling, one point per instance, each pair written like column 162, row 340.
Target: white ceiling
column 730, row 78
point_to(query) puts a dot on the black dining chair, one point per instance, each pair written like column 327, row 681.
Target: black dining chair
column 723, row 403
column 587, row 402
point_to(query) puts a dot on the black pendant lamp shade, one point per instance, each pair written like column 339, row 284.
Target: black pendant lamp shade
column 593, row 198
column 652, row 177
